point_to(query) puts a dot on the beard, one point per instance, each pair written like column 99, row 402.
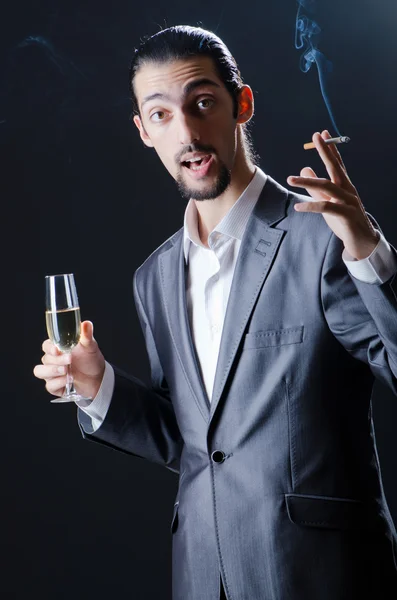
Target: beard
column 209, row 192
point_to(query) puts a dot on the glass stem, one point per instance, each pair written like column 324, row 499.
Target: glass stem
column 69, row 381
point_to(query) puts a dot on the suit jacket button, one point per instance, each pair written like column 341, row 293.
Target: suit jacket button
column 218, row 456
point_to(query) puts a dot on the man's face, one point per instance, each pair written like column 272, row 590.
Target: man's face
column 186, row 114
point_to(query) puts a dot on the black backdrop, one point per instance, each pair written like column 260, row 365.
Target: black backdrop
column 80, row 193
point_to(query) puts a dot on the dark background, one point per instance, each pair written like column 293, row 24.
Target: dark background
column 80, row 193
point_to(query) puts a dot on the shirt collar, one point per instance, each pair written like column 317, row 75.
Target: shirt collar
column 233, row 223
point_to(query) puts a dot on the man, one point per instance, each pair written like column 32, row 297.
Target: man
column 266, row 318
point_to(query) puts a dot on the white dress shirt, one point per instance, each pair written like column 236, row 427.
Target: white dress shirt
column 210, row 274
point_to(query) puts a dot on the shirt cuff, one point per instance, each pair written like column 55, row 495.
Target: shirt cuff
column 378, row 267
column 98, row 407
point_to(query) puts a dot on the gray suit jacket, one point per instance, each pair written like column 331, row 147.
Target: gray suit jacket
column 280, row 489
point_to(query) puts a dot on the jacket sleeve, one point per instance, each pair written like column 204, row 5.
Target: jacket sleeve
column 141, row 419
column 362, row 316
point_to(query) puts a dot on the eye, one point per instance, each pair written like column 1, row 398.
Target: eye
column 205, row 102
column 157, row 116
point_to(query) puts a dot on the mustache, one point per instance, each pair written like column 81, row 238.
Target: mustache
column 194, row 148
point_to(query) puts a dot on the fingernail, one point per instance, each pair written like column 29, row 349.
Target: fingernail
column 61, row 370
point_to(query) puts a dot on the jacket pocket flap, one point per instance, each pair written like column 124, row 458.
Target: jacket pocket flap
column 275, row 337
column 332, row 513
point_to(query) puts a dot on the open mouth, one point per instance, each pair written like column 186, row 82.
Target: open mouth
column 198, row 167
column 196, row 163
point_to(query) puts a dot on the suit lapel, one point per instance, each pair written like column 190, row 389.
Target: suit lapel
column 173, row 285
column 255, row 260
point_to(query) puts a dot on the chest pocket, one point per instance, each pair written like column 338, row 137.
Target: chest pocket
column 273, row 337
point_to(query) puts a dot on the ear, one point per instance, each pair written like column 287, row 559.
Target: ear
column 245, row 104
column 142, row 131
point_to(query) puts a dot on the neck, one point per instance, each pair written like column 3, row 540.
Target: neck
column 211, row 212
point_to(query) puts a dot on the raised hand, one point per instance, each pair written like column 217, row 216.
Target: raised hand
column 337, row 200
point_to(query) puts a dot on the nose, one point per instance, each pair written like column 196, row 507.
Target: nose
column 188, row 130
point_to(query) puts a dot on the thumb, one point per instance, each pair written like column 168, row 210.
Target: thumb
column 87, row 334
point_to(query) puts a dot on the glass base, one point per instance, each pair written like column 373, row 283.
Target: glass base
column 69, row 398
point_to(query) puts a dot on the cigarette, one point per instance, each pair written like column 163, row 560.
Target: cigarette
column 343, row 139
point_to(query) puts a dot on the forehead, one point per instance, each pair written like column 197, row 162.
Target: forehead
column 173, row 76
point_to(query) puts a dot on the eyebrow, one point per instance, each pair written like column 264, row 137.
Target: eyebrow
column 187, row 90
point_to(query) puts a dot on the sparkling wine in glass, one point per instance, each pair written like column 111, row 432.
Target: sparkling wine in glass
column 63, row 324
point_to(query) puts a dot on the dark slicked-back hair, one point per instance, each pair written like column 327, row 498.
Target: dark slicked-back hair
column 182, row 42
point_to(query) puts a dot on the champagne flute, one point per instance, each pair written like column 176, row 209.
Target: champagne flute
column 63, row 323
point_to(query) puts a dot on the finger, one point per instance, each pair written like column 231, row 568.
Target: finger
column 309, row 172
column 62, row 359
column 334, row 169
column 323, row 206
column 56, row 386
column 333, row 148
column 305, row 172
column 49, row 371
column 330, row 189
column 50, row 348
